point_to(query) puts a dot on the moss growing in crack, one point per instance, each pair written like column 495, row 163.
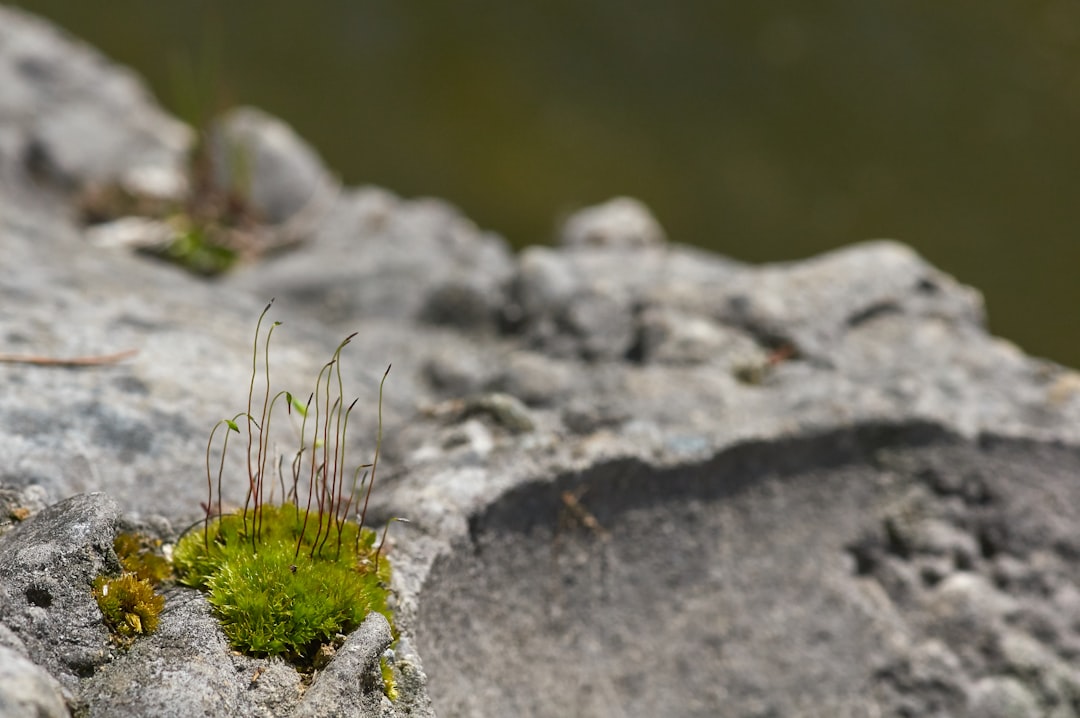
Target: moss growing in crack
column 286, row 579
column 129, row 604
column 141, row 556
column 389, row 683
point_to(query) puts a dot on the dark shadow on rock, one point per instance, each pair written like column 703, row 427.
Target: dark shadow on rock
column 737, row 586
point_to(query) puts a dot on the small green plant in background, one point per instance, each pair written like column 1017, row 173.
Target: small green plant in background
column 214, row 225
column 206, row 233
column 285, row 579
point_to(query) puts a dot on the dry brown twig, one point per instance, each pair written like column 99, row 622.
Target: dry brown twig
column 69, row 362
column 578, row 513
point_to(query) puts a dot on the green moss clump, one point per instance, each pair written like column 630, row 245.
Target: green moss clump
column 138, row 555
column 208, row 232
column 129, row 604
column 277, row 599
column 202, row 250
column 285, row 581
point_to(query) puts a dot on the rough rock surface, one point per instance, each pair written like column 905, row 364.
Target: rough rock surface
column 642, row 479
column 29, row 691
column 47, row 564
column 70, row 117
column 262, row 158
column 351, row 682
column 623, row 221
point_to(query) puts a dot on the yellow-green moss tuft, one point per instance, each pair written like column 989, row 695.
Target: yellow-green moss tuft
column 139, row 555
column 389, row 684
column 129, row 605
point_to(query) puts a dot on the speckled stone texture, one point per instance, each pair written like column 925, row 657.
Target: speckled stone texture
column 642, row 479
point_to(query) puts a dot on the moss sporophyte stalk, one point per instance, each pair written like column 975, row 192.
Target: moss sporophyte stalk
column 285, row 579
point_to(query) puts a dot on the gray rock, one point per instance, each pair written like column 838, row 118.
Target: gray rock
column 535, row 379
column 709, row 488
column 913, row 528
column 352, row 684
column 1003, row 697
column 619, row 222
column 601, row 325
column 47, row 566
column 545, row 279
column 565, row 308
column 27, row 690
column 814, row 304
column 17, row 505
column 413, row 699
column 131, row 232
column 264, row 160
column 926, row 679
column 559, row 583
column 463, row 302
column 375, row 255
column 69, row 115
column 459, row 373
column 670, row 336
column 186, row 669
column 966, row 609
column 505, row 411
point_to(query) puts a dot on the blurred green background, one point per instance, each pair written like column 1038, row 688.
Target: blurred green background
column 764, row 131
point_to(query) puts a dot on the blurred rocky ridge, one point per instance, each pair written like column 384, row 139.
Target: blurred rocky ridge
column 531, row 390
